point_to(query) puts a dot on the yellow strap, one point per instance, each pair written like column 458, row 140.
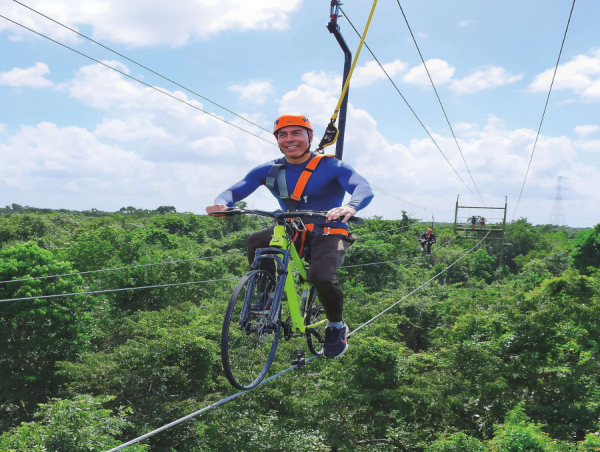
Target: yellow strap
column 362, row 40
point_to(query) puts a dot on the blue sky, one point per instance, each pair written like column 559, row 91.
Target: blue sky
column 75, row 135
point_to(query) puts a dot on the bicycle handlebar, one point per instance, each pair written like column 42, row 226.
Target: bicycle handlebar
column 277, row 214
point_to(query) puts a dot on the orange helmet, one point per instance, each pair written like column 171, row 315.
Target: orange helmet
column 429, row 230
column 292, row 120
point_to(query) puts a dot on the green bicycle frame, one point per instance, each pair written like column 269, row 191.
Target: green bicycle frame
column 280, row 240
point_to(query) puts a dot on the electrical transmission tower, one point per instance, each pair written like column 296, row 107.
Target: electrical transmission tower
column 557, row 216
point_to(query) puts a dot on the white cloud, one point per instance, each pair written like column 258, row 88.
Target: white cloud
column 364, row 75
column 464, row 23
column 151, row 22
column 421, row 35
column 150, row 150
column 441, row 73
column 370, row 72
column 256, row 91
column 31, row 77
column 581, row 75
column 586, row 130
column 487, row 78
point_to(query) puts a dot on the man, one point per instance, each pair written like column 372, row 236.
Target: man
column 473, row 222
column 324, row 191
column 427, row 239
column 482, row 222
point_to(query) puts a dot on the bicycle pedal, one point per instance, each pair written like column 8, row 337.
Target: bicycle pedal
column 300, row 361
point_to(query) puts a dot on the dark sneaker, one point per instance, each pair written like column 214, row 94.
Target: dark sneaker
column 264, row 304
column 335, row 341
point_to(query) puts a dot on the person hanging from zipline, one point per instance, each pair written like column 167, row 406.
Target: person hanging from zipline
column 473, row 222
column 320, row 184
column 427, row 239
column 482, row 222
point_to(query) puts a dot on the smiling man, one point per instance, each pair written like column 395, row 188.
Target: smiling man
column 327, row 242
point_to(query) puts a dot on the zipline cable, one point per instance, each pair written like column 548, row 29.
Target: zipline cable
column 231, row 397
column 139, row 81
column 400, row 260
column 381, row 190
column 140, row 65
column 418, row 288
column 121, row 268
column 122, row 289
column 408, row 105
column 118, row 290
column 545, row 107
column 439, row 100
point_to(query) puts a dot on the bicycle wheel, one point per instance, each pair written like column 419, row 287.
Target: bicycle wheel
column 315, row 313
column 248, row 339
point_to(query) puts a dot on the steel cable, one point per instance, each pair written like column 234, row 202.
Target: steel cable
column 409, row 107
column 139, row 81
column 140, row 65
column 545, row 107
column 120, row 268
column 439, row 100
column 118, row 290
column 231, row 397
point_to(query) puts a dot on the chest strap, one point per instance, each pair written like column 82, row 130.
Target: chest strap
column 277, row 173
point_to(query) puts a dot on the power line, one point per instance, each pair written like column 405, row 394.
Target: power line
column 117, row 290
column 545, row 107
column 141, row 65
column 408, row 105
column 397, row 197
column 139, row 81
column 439, row 100
column 120, row 268
column 231, row 397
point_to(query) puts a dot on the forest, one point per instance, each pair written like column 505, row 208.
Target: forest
column 487, row 357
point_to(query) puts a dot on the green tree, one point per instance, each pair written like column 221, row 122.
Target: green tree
column 78, row 425
column 36, row 333
column 586, row 252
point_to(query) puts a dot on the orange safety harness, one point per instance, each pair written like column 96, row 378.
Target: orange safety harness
column 277, row 173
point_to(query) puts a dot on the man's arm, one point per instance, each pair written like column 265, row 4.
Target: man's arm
column 239, row 190
column 357, row 186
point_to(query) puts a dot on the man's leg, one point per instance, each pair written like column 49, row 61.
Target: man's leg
column 261, row 239
column 428, row 248
column 327, row 256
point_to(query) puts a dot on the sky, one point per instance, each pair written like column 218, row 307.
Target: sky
column 75, row 134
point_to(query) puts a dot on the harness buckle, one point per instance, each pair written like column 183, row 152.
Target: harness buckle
column 326, row 231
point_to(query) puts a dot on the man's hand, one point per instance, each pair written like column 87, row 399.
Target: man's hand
column 217, row 208
column 345, row 212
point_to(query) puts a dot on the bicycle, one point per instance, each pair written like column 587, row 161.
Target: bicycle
column 249, row 338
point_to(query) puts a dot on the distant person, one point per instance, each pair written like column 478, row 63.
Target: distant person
column 473, row 222
column 482, row 222
column 427, row 240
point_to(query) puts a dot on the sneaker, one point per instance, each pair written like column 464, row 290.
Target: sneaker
column 428, row 254
column 335, row 341
column 264, row 304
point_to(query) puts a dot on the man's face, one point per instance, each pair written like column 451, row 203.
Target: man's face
column 293, row 141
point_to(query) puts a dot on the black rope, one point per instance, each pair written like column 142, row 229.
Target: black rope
column 408, row 105
column 140, row 65
column 439, row 100
column 139, row 81
column 545, row 106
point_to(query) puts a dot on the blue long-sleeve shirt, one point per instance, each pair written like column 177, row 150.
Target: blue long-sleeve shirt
column 325, row 189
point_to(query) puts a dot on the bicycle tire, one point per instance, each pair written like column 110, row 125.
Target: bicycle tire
column 314, row 313
column 248, row 342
